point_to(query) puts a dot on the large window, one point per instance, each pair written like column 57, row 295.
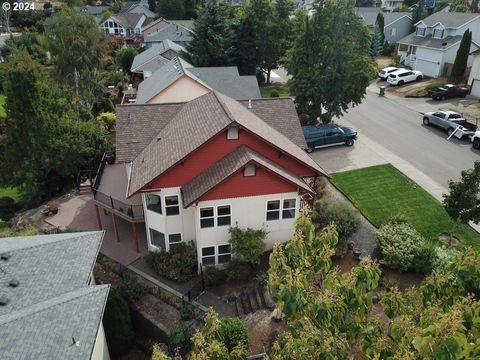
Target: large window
column 273, row 210
column 207, row 217
column 154, row 203
column 157, row 239
column 208, row 255
column 420, row 31
column 438, row 33
column 289, row 206
column 171, row 205
column 174, row 240
column 224, row 215
column 224, row 254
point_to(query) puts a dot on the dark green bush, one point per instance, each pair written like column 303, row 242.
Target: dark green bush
column 178, row 337
column 180, row 264
column 186, row 312
column 132, row 289
column 247, row 244
column 233, row 332
column 238, row 270
column 213, row 276
column 345, row 217
column 7, row 208
column 274, row 93
column 118, row 325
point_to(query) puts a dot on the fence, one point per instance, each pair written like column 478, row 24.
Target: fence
column 196, row 290
column 134, row 212
column 98, row 175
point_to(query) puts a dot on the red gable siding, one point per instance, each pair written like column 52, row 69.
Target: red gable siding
column 217, row 148
column 264, row 182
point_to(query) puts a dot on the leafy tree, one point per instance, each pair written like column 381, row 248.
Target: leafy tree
column 30, row 42
column 190, row 9
column 461, row 59
column 232, row 333
column 460, row 6
column 125, row 58
column 158, row 354
column 171, row 9
column 245, row 51
column 77, row 53
column 212, row 43
column 462, row 202
column 118, row 325
column 46, row 144
column 247, row 245
column 152, row 5
column 330, row 72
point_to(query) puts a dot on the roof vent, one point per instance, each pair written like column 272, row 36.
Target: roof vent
column 14, row 283
column 249, row 103
column 3, row 300
column 159, row 138
column 5, row 256
column 444, row 44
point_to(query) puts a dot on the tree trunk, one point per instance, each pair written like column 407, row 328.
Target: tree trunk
column 268, row 76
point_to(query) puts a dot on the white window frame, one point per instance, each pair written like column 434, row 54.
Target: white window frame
column 200, row 218
column 280, row 208
column 422, row 28
column 215, row 216
column 167, row 239
column 218, row 254
column 209, row 256
column 171, row 206
column 442, row 31
column 161, row 203
column 270, row 211
column 222, row 216
column 250, row 170
column 233, row 133
column 294, row 208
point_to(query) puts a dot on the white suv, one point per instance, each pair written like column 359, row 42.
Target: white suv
column 383, row 74
column 403, row 76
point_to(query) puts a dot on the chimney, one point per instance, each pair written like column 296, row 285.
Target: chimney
column 249, row 103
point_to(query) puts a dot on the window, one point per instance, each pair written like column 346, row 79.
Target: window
column 171, row 205
column 289, row 206
column 420, row 31
column 224, row 254
column 207, row 217
column 174, row 240
column 208, row 255
column 157, row 239
column 438, row 33
column 249, row 170
column 393, row 31
column 223, row 215
column 154, row 203
column 232, row 133
column 273, row 210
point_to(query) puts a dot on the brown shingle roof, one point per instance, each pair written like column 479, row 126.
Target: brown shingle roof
column 194, row 124
column 230, row 164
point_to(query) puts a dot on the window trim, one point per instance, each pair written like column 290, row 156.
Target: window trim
column 167, row 239
column 294, row 208
column 170, row 206
column 200, row 218
column 222, row 216
column 280, row 209
column 218, row 254
column 215, row 216
column 150, row 229
column 442, row 31
column 147, row 194
column 422, row 28
column 209, row 256
column 254, row 170
column 237, row 133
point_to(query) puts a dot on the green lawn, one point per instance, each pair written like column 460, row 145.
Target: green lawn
column 381, row 192
column 282, row 90
column 3, row 114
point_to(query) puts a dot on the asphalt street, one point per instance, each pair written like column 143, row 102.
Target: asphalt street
column 391, row 128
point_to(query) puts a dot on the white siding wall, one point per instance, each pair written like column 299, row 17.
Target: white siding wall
column 473, row 26
column 429, row 61
column 246, row 212
column 474, row 79
column 100, row 349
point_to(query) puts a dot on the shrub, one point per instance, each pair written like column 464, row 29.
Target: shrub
column 444, row 257
column 178, row 337
column 7, row 208
column 304, row 119
column 238, row 270
column 118, row 325
column 402, row 247
column 345, row 217
column 180, row 264
column 107, row 120
column 274, row 93
column 233, row 332
column 186, row 312
column 248, row 244
column 132, row 289
column 213, row 276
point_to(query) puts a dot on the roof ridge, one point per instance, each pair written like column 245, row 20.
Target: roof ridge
column 224, row 107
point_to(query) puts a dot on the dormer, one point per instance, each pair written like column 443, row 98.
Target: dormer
column 421, row 30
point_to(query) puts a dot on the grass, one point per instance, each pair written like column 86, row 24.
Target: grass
column 381, row 192
column 282, row 90
column 3, row 114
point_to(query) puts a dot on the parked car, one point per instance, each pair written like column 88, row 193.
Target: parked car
column 449, row 121
column 403, row 76
column 476, row 140
column 448, row 91
column 328, row 135
column 383, row 74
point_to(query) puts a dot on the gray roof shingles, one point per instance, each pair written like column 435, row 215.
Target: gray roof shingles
column 53, row 301
column 429, row 41
column 229, row 165
column 153, row 52
column 449, row 19
column 173, row 32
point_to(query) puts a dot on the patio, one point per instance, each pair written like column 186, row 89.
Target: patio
column 78, row 213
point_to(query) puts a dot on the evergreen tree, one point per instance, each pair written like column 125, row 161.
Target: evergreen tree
column 152, row 4
column 380, row 22
column 418, row 14
column 171, row 9
column 213, row 37
column 461, row 59
column 376, row 44
column 245, row 54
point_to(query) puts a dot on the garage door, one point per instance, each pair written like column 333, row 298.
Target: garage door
column 475, row 88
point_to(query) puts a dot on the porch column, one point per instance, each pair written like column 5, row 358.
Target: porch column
column 115, row 226
column 99, row 220
column 135, row 237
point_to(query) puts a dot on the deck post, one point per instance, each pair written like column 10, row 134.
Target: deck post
column 115, row 226
column 99, row 220
column 135, row 237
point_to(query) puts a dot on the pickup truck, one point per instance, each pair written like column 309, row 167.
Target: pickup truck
column 476, row 140
column 447, row 91
column 449, row 121
column 328, row 135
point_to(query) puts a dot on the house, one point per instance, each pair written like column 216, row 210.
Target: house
column 49, row 305
column 153, row 58
column 124, row 25
column 178, row 81
column 474, row 78
column 96, row 11
column 194, row 169
column 162, row 30
column 133, row 7
column 433, row 46
column 390, row 5
column 397, row 24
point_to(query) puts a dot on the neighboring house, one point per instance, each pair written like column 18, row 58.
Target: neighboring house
column 195, row 169
column 474, row 78
column 96, row 11
column 166, row 30
column 124, row 25
column 49, row 305
column 153, row 58
column 390, row 5
column 178, row 81
column 397, row 24
column 433, row 46
column 138, row 8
